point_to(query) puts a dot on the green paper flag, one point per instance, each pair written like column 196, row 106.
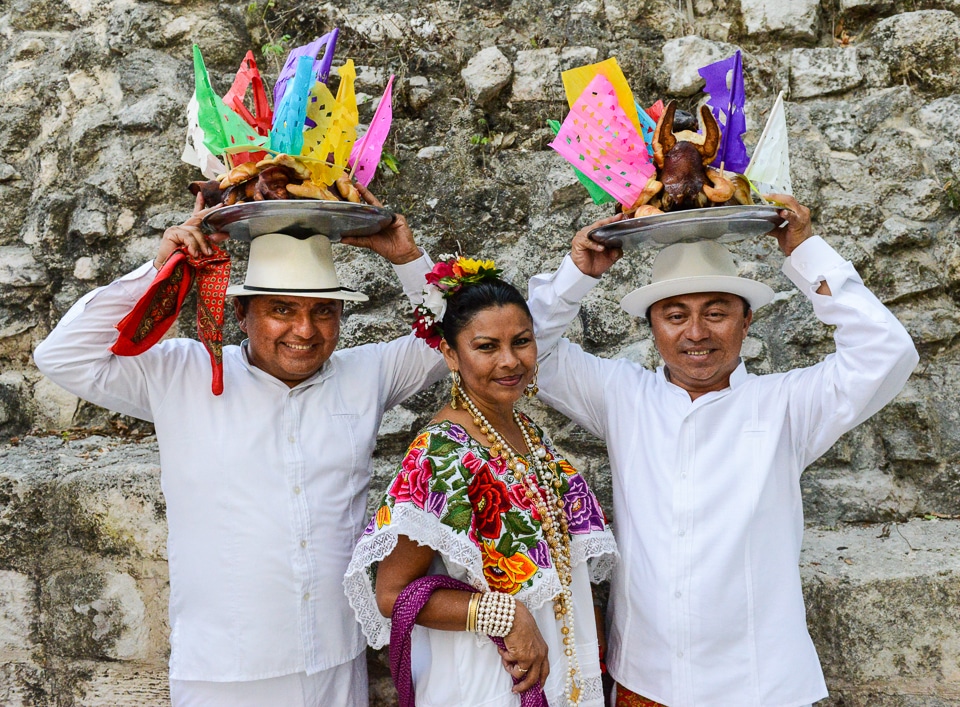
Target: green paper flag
column 598, row 195
column 223, row 130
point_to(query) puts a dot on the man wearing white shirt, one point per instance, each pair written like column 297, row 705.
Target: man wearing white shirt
column 706, row 607
column 266, row 484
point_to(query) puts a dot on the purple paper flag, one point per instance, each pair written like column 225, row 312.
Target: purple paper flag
column 725, row 86
column 366, row 152
column 321, row 67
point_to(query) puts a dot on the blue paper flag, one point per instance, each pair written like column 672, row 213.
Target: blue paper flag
column 724, row 84
column 648, row 127
column 288, row 118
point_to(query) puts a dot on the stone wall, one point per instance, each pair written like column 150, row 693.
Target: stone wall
column 93, row 103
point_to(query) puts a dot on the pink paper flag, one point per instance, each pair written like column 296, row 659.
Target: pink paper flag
column 366, row 152
column 600, row 140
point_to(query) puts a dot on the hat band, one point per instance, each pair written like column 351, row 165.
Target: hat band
column 302, row 289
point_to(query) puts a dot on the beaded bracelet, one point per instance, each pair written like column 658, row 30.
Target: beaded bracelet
column 495, row 613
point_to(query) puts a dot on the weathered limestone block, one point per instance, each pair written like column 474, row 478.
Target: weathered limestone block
column 18, row 268
column 563, row 187
column 883, row 605
column 814, row 72
column 536, row 72
column 56, row 406
column 487, row 72
column 920, row 48
column 420, row 92
column 18, row 610
column 379, row 27
column 684, row 56
column 798, row 19
column 938, row 321
column 126, row 685
column 94, row 615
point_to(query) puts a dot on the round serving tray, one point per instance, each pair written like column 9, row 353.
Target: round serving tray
column 300, row 218
column 721, row 223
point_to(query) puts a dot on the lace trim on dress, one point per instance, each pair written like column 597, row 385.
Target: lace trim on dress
column 598, row 550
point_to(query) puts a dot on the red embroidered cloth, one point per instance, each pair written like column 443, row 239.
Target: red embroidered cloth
column 625, row 698
column 157, row 310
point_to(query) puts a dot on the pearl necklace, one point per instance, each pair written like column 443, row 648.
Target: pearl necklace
column 553, row 521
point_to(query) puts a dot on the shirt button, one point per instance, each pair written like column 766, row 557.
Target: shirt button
column 683, row 476
column 306, row 597
column 296, row 490
column 303, row 543
column 677, row 594
column 679, row 654
column 291, row 439
column 682, row 533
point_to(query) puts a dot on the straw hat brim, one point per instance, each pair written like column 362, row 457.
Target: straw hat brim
column 342, row 293
column 641, row 299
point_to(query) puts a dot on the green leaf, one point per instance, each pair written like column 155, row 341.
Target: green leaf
column 458, row 517
column 439, row 485
column 507, row 547
column 390, row 162
column 516, row 523
column 441, row 447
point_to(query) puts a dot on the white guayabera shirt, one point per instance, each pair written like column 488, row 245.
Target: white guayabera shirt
column 706, row 605
column 265, row 485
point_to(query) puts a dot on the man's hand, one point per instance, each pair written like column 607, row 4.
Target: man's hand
column 590, row 257
column 395, row 242
column 189, row 234
column 798, row 227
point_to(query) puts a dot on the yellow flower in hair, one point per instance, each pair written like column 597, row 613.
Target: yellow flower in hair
column 472, row 267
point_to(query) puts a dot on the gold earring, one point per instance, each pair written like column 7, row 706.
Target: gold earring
column 455, row 390
column 532, row 388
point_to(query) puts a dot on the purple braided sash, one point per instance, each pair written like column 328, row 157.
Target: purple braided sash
column 411, row 600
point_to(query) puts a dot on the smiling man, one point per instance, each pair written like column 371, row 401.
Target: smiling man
column 266, row 484
column 706, row 606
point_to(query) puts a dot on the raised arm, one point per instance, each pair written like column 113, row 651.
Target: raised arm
column 875, row 355
column 571, row 380
column 76, row 355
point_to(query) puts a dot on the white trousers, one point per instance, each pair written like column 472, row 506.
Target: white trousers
column 342, row 686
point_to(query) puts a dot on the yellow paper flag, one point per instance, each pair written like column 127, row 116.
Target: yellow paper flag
column 576, row 80
column 349, row 116
column 331, row 141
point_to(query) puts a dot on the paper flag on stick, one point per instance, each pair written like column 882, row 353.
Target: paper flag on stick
column 366, row 152
column 349, row 116
column 287, row 133
column 194, row 151
column 769, row 170
column 648, row 126
column 223, row 130
column 724, row 83
column 655, row 111
column 248, row 76
column 323, row 111
column 576, row 80
column 598, row 195
column 598, row 138
column 320, row 69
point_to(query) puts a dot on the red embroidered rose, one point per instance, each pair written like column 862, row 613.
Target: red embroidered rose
column 413, row 482
column 488, row 496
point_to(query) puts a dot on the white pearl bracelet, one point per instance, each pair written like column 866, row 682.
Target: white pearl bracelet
column 495, row 614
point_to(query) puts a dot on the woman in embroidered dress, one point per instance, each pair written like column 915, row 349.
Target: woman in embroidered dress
column 484, row 497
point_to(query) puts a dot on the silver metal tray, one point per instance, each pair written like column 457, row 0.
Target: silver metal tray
column 300, row 218
column 721, row 223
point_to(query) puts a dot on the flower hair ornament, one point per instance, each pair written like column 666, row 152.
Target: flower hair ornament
column 446, row 279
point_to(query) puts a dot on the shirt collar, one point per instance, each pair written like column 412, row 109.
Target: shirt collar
column 326, row 370
column 737, row 378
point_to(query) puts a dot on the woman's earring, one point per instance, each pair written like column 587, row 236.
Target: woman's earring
column 455, row 390
column 532, row 388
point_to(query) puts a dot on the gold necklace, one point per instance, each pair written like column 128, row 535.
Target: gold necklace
column 549, row 505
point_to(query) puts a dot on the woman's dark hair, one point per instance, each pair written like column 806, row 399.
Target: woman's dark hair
column 467, row 302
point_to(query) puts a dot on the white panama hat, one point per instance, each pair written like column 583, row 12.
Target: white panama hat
column 284, row 265
column 688, row 268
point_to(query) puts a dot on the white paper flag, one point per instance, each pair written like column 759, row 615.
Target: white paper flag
column 769, row 168
column 194, row 151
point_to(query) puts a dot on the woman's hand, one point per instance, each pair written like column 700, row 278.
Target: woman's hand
column 526, row 654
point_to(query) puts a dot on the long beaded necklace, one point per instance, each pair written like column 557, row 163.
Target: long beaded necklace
column 549, row 506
